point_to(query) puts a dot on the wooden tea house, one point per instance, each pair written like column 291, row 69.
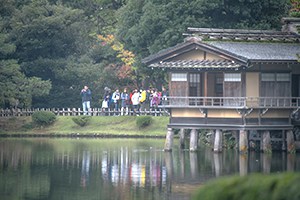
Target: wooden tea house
column 233, row 80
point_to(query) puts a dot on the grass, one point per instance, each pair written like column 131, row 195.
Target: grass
column 108, row 125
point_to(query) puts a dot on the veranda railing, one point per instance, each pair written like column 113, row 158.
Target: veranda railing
column 231, row 102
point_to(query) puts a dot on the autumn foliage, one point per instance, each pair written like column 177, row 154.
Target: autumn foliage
column 295, row 10
column 126, row 69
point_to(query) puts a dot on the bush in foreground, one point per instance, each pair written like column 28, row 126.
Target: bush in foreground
column 256, row 186
column 82, row 120
column 143, row 121
column 43, row 118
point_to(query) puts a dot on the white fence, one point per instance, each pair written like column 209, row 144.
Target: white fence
column 78, row 111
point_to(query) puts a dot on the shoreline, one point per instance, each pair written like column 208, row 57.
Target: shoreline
column 98, row 127
column 75, row 135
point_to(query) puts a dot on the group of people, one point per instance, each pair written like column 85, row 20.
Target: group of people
column 122, row 102
column 135, row 100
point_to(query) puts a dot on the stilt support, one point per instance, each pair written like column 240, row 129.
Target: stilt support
column 266, row 142
column 169, row 140
column 218, row 141
column 291, row 148
column 243, row 142
column 193, row 140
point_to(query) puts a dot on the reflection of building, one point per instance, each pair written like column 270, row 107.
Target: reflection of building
column 122, row 169
column 122, row 173
column 155, row 174
column 104, row 166
column 85, row 168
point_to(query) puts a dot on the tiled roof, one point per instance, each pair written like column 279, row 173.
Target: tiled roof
column 243, row 35
column 259, row 51
column 197, row 64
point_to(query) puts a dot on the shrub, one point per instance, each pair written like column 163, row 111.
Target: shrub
column 43, row 118
column 284, row 186
column 81, row 120
column 143, row 121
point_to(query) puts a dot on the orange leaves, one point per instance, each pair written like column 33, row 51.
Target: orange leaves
column 127, row 57
column 294, row 11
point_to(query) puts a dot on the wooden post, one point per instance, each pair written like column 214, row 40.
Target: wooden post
column 267, row 163
column 218, row 164
column 193, row 140
column 169, row 140
column 243, row 164
column 205, row 84
column 194, row 164
column 169, row 166
column 290, row 142
column 218, row 141
column 182, row 163
column 291, row 160
column 243, row 141
column 266, row 142
column 181, row 138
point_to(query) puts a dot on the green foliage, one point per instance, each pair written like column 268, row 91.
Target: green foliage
column 143, row 121
column 42, row 30
column 43, row 118
column 81, row 120
column 229, row 141
column 149, row 26
column 295, row 10
column 18, row 90
column 256, row 186
column 160, row 24
column 52, row 40
column 27, row 126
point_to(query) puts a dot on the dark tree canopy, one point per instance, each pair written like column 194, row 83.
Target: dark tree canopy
column 51, row 45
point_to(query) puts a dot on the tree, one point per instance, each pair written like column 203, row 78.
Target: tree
column 54, row 39
column 295, row 10
column 17, row 90
column 41, row 30
column 148, row 26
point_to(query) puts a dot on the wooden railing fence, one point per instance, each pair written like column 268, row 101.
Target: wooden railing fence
column 78, row 111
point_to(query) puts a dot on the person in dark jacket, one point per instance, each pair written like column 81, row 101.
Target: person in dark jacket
column 86, row 96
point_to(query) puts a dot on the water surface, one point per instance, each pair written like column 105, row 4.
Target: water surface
column 96, row 169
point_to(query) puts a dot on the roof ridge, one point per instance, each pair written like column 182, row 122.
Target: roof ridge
column 245, row 31
column 242, row 34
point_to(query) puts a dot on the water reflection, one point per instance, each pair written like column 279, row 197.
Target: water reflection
column 120, row 169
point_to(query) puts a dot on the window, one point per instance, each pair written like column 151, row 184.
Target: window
column 194, row 85
column 219, row 85
column 283, row 77
column 194, row 78
column 267, row 77
column 275, row 85
column 179, row 77
column 232, row 77
column 280, row 77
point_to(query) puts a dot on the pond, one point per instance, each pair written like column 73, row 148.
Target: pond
column 76, row 169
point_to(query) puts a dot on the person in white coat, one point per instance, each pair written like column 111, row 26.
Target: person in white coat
column 135, row 99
